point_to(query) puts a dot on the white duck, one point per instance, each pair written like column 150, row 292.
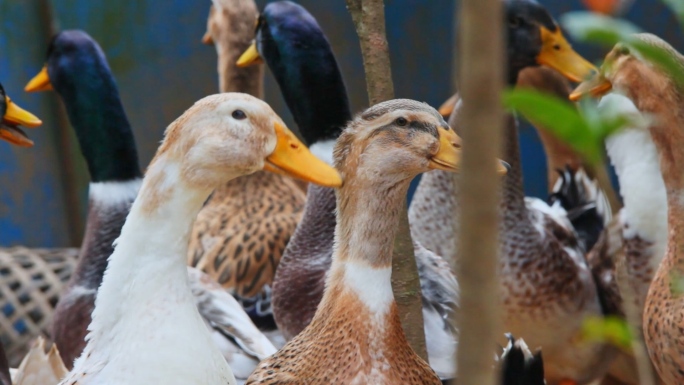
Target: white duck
column 146, row 328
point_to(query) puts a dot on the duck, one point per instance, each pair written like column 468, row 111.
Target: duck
column 644, row 88
column 377, row 155
column 321, row 110
column 145, row 326
column 77, row 70
column 314, row 90
column 241, row 232
column 539, row 245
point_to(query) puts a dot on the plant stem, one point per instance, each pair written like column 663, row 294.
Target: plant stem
column 481, row 79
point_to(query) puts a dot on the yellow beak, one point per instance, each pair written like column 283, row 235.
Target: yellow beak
column 448, row 106
column 250, row 57
column 557, row 53
column 40, row 82
column 595, row 87
column 15, row 116
column 18, row 116
column 292, row 158
column 448, row 157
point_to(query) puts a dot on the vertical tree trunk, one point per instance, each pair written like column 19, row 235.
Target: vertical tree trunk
column 481, row 78
column 369, row 19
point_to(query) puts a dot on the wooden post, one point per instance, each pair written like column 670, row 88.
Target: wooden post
column 369, row 19
column 64, row 139
column 481, row 79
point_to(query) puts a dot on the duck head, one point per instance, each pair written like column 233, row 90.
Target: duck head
column 534, row 38
column 651, row 90
column 296, row 50
column 396, row 140
column 234, row 134
column 77, row 69
column 627, row 71
column 13, row 116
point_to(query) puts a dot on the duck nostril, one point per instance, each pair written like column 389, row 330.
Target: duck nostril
column 294, row 146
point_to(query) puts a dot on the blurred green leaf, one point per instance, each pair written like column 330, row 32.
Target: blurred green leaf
column 676, row 283
column 661, row 57
column 584, row 132
column 677, row 6
column 594, row 28
column 612, row 329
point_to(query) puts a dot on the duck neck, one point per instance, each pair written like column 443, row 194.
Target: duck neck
column 247, row 80
column 151, row 252
column 513, row 199
column 108, row 206
column 674, row 186
column 635, row 159
column 229, row 47
column 314, row 91
column 362, row 256
column 102, row 128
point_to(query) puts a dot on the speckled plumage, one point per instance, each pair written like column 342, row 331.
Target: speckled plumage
column 240, row 234
column 333, row 349
column 547, row 287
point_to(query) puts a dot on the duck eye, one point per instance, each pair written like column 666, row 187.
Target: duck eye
column 624, row 50
column 239, row 115
column 401, row 121
column 514, row 22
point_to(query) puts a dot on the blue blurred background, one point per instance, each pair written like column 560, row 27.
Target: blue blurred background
column 154, row 50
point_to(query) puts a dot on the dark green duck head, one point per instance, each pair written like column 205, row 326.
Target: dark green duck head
column 534, row 38
column 299, row 55
column 11, row 117
column 77, row 70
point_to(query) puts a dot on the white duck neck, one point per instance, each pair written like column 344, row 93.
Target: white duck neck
column 151, row 251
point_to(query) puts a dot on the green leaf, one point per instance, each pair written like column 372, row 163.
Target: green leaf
column 676, row 283
column 677, row 6
column 611, row 329
column 559, row 117
column 659, row 56
column 594, row 28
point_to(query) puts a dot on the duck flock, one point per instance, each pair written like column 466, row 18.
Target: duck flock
column 243, row 254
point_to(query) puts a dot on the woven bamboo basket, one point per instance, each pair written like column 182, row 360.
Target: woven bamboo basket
column 31, row 281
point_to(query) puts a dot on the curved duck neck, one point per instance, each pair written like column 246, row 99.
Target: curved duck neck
column 229, row 46
column 108, row 206
column 149, row 260
column 146, row 285
column 107, row 143
column 102, row 128
column 513, row 199
column 314, row 91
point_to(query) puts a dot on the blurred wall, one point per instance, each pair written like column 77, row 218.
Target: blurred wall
column 155, row 53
